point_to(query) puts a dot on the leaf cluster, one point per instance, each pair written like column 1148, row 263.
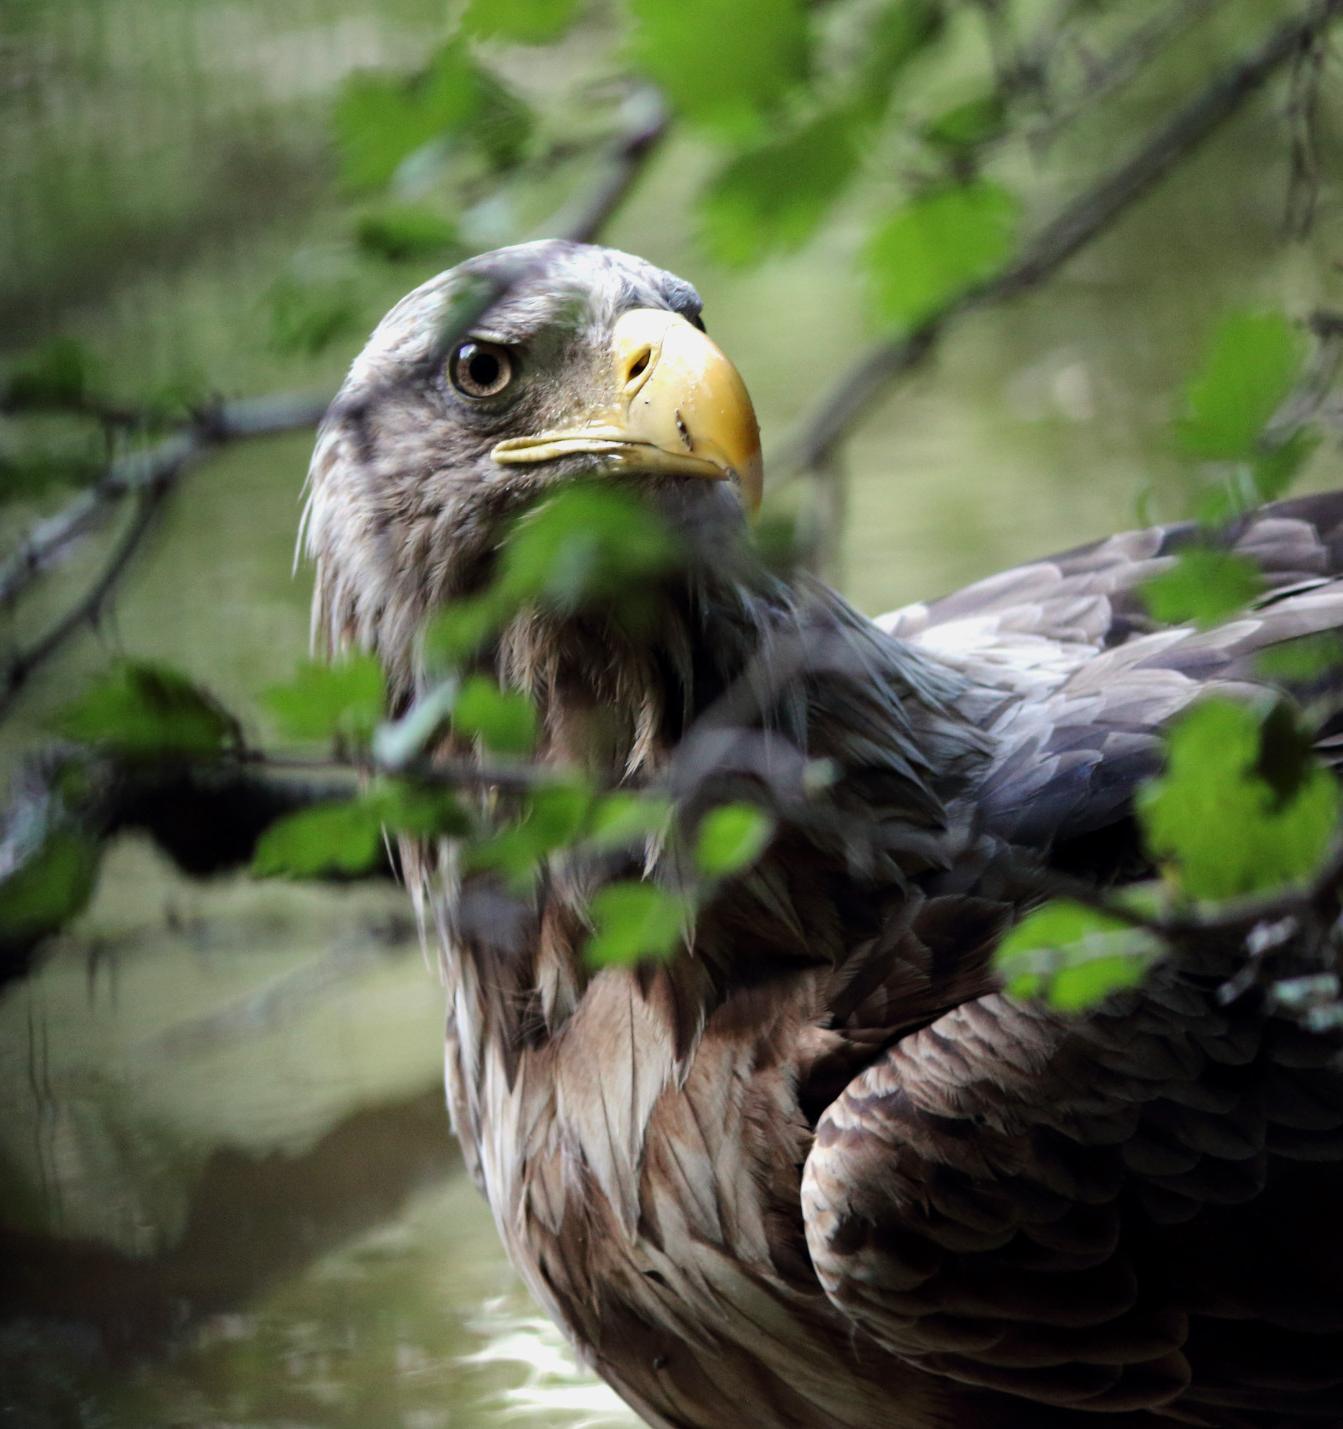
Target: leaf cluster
column 461, row 764
column 1244, row 805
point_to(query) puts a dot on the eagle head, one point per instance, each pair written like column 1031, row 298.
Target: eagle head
column 482, row 389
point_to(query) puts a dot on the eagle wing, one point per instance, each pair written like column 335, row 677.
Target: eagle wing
column 1116, row 1212
column 1133, row 1210
column 1088, row 679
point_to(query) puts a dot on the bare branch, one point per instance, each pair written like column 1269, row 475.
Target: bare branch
column 89, row 607
column 157, row 467
column 1083, row 220
column 627, row 161
column 1146, row 42
column 1303, row 182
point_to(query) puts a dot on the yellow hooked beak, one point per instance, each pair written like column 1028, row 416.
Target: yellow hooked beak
column 680, row 406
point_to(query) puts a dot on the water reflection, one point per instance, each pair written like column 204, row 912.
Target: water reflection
column 553, row 1389
column 416, row 1323
column 230, row 1191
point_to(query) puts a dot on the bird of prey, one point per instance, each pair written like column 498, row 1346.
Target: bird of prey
column 815, row 1168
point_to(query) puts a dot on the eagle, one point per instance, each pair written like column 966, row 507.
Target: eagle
column 815, row 1167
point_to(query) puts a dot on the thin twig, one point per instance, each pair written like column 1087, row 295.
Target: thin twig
column 1144, row 44
column 520, row 778
column 89, row 607
column 1303, row 113
column 1083, row 220
column 626, row 162
column 158, row 466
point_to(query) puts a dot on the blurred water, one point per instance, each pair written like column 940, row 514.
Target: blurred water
column 229, row 1195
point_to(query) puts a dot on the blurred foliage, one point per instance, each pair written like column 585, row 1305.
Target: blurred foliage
column 1252, row 363
column 341, row 701
column 349, row 837
column 503, row 721
column 1203, row 586
column 1244, row 806
column 940, row 245
column 1073, row 955
column 56, row 375
column 635, row 920
column 730, row 77
column 731, row 838
column 403, row 232
column 140, row 710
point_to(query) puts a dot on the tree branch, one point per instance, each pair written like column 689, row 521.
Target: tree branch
column 1083, row 220
column 627, row 161
column 153, row 469
column 1145, row 43
column 90, row 605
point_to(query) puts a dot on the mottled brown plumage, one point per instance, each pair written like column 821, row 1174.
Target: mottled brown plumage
column 814, row 1170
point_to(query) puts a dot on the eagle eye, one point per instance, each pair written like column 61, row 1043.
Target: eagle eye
column 480, row 369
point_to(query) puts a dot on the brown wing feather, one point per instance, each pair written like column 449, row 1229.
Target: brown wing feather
column 1090, row 596
column 1125, row 1212
column 1087, row 679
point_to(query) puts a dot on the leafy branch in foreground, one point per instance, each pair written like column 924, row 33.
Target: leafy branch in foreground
column 1245, row 806
column 153, row 751
column 1242, row 824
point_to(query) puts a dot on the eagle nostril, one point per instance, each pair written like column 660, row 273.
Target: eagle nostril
column 640, row 364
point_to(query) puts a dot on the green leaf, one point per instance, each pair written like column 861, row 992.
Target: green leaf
column 1072, row 956
column 624, row 818
column 405, row 231
column 504, row 721
column 380, row 119
column 57, row 375
column 1204, row 587
column 731, row 837
column 307, row 315
column 1277, row 468
column 325, row 702
column 557, row 815
column 966, row 126
column 938, row 246
column 552, row 820
column 340, row 838
column 1237, row 809
column 584, row 542
column 459, row 630
column 347, row 838
column 509, row 852
column 139, row 709
column 900, row 31
column 528, row 22
column 1302, row 660
column 633, row 921
column 404, row 807
column 1250, row 366
column 49, row 886
column 719, row 71
column 34, row 474
column 774, row 197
